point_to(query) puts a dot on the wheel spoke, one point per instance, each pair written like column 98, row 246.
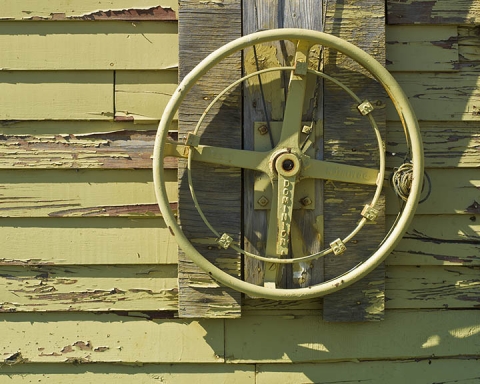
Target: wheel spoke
column 318, row 169
column 257, row 161
column 292, row 118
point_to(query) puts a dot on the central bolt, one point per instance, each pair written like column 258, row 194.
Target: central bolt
column 288, row 165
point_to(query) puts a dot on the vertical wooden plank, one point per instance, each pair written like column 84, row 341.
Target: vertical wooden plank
column 260, row 15
column 349, row 138
column 203, row 27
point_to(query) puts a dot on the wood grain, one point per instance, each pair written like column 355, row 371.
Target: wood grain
column 350, row 139
column 204, row 27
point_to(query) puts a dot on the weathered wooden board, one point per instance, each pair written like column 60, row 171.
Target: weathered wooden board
column 452, row 191
column 143, row 95
column 127, row 337
column 433, row 12
column 451, row 144
column 373, row 372
column 422, row 48
column 412, row 334
column 88, row 9
column 144, row 374
column 433, row 287
column 88, row 46
column 203, row 27
column 86, row 241
column 439, row 240
column 49, row 95
column 441, row 96
column 265, row 101
column 350, row 139
column 88, row 288
column 70, row 193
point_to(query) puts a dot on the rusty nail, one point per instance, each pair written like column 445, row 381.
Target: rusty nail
column 263, row 201
column 306, row 201
column 263, row 129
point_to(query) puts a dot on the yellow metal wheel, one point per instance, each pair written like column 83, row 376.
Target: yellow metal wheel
column 286, row 163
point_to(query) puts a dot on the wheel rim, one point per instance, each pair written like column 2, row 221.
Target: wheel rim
column 404, row 111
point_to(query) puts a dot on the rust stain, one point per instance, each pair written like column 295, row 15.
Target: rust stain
column 132, row 14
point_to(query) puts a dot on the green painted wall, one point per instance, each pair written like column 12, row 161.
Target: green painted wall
column 88, row 269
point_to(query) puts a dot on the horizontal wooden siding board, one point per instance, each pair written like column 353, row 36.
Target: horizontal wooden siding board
column 88, row 288
column 87, row 241
column 37, row 9
column 88, row 46
column 77, row 193
column 127, row 337
column 55, row 95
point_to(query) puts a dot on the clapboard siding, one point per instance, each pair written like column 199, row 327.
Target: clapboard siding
column 87, row 241
column 80, row 193
column 89, row 45
column 88, row 268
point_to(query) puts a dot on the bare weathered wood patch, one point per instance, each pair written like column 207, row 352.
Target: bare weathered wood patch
column 122, row 149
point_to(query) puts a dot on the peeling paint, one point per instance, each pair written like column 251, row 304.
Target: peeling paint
column 132, row 14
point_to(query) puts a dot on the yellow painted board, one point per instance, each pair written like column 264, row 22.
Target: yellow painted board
column 422, row 48
column 446, row 144
column 143, row 95
column 441, row 96
column 88, row 288
column 126, row 337
column 55, row 95
column 424, row 371
column 432, row 287
column 144, row 374
column 86, row 241
column 403, row 334
column 28, row 9
column 75, row 127
column 77, row 193
column 453, row 191
column 439, row 240
column 90, row 45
